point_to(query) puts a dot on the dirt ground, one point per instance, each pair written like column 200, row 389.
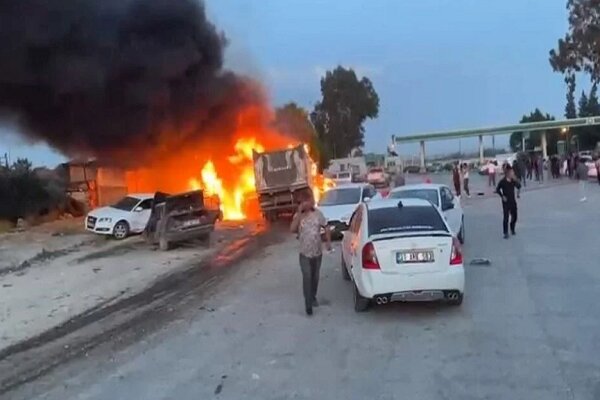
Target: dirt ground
column 56, row 271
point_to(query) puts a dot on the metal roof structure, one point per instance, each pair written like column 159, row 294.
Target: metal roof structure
column 500, row 130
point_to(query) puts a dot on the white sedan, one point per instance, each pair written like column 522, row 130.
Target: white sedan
column 338, row 204
column 128, row 215
column 401, row 250
column 440, row 196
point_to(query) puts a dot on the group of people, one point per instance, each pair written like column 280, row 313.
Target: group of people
column 460, row 174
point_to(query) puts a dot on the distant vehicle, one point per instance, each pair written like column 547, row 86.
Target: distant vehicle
column 590, row 164
column 342, row 178
column 412, row 169
column 442, row 198
column 128, row 215
column 182, row 217
column 401, row 250
column 377, row 177
column 338, row 204
column 280, row 176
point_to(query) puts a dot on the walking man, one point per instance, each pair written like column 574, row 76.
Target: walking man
column 465, row 175
column 582, row 176
column 491, row 170
column 456, row 179
column 597, row 164
column 506, row 190
column 307, row 223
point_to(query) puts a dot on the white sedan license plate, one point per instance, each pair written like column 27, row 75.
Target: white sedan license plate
column 414, row 257
column 191, row 222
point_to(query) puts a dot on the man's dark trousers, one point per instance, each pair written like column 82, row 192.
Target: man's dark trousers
column 509, row 208
column 310, row 267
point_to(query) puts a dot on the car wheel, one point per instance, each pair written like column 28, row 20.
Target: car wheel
column 345, row 273
column 360, row 303
column 461, row 233
column 121, row 230
column 456, row 302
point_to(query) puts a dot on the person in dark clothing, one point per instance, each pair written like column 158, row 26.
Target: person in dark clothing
column 456, row 178
column 506, row 190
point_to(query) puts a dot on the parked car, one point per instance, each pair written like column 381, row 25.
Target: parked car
column 401, row 250
column 442, row 198
column 338, row 204
column 128, row 215
column 342, row 178
column 182, row 217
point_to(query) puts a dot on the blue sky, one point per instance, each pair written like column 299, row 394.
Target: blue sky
column 436, row 64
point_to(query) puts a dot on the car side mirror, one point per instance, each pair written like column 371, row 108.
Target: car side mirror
column 447, row 206
column 138, row 209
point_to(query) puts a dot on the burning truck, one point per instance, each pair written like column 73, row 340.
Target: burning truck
column 280, row 176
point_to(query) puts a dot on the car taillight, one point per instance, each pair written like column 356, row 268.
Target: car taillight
column 456, row 257
column 369, row 258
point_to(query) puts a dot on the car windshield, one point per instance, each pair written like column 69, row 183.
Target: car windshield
column 405, row 219
column 343, row 175
column 338, row 197
column 126, row 203
column 430, row 195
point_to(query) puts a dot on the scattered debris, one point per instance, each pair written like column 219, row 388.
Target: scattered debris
column 7, row 285
column 96, row 269
column 255, row 377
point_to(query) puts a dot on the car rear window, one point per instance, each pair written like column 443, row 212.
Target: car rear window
column 430, row 195
column 405, row 219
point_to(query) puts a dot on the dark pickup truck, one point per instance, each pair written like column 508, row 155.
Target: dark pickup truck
column 182, row 217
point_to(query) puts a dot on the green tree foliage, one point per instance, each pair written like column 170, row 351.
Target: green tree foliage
column 579, row 50
column 588, row 136
column 535, row 138
column 570, row 108
column 338, row 118
column 23, row 193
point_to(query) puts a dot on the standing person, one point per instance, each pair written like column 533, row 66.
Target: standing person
column 529, row 168
column 307, row 223
column 541, row 168
column 465, row 175
column 582, row 176
column 518, row 174
column 565, row 169
column 491, row 170
column 506, row 190
column 456, row 179
column 597, row 163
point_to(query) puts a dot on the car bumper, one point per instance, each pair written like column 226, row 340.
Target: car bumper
column 100, row 229
column 372, row 284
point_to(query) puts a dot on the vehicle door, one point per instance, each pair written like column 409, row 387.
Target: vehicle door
column 140, row 215
column 451, row 209
column 349, row 242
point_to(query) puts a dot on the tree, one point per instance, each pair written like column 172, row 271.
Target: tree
column 579, row 50
column 535, row 138
column 583, row 105
column 338, row 118
column 570, row 108
column 293, row 121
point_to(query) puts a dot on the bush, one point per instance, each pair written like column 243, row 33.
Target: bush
column 23, row 194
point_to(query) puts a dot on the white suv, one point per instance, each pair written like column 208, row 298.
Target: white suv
column 402, row 250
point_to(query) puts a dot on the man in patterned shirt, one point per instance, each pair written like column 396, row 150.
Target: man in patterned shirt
column 307, row 223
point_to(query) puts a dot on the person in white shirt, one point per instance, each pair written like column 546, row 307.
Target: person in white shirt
column 491, row 170
column 465, row 176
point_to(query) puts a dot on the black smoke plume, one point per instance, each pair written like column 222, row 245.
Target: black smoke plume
column 116, row 79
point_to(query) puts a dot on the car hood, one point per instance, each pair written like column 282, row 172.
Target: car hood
column 337, row 213
column 108, row 212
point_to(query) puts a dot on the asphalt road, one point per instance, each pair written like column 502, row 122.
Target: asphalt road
column 529, row 327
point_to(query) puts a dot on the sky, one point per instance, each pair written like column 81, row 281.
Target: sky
column 436, row 64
